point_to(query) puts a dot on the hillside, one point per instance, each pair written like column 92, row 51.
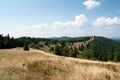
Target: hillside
column 16, row 64
column 88, row 47
column 95, row 48
column 104, row 49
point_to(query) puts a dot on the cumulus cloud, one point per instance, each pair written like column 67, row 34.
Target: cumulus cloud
column 90, row 4
column 41, row 25
column 104, row 21
column 79, row 21
column 57, row 28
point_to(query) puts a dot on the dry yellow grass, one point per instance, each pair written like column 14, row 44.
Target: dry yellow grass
column 16, row 64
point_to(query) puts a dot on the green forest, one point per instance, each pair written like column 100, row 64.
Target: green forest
column 100, row 48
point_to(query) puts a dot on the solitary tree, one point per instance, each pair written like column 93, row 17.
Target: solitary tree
column 26, row 47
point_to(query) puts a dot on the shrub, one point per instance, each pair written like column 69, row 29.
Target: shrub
column 26, row 47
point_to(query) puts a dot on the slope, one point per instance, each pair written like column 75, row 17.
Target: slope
column 16, row 64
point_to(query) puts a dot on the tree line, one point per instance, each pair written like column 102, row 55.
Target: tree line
column 10, row 42
column 101, row 48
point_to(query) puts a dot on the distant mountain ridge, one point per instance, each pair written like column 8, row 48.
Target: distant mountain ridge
column 60, row 38
column 116, row 39
column 71, row 39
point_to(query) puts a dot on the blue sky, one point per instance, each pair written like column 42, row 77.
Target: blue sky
column 55, row 18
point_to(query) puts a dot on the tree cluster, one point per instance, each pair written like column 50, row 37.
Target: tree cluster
column 103, row 49
column 64, row 49
column 10, row 42
column 100, row 49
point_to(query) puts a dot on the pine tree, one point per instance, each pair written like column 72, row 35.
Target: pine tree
column 1, row 41
column 26, row 47
column 117, row 57
column 75, row 52
column 81, row 48
column 57, row 50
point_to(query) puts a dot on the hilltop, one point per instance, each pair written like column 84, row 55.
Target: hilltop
column 17, row 64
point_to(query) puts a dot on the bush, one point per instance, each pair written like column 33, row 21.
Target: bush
column 26, row 47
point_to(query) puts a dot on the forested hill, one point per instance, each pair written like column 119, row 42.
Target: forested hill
column 70, row 39
column 116, row 39
column 10, row 42
column 95, row 48
column 103, row 49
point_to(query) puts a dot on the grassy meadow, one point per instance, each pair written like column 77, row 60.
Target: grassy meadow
column 16, row 64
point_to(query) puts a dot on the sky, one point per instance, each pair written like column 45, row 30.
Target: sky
column 56, row 18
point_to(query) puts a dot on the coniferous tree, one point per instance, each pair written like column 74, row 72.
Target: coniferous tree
column 81, row 48
column 57, row 50
column 26, row 47
column 75, row 52
column 1, row 41
column 51, row 48
column 117, row 57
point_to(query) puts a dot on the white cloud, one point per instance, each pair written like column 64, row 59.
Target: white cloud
column 104, row 21
column 79, row 21
column 39, row 26
column 90, row 4
column 56, row 28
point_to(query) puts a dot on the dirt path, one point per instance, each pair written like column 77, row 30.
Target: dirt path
column 77, row 44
